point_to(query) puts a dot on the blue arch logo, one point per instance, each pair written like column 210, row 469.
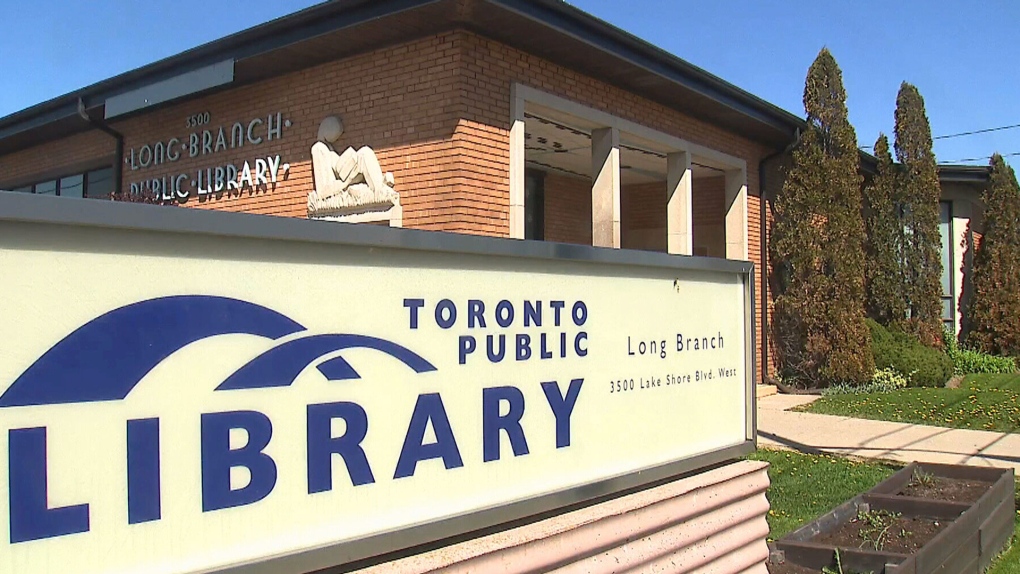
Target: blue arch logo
column 107, row 357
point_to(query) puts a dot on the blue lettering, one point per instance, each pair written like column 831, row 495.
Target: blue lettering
column 562, row 407
column 532, row 313
column 582, row 336
column 322, row 445
column 476, row 311
column 523, row 347
column 557, row 307
column 446, row 307
column 545, row 353
column 428, row 408
column 495, row 357
column 413, row 305
column 143, row 478
column 504, row 313
column 218, row 459
column 31, row 519
column 580, row 313
column 493, row 422
column 467, row 346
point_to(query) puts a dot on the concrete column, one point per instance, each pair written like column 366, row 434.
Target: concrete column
column 679, row 223
column 736, row 214
column 516, row 167
column 605, row 190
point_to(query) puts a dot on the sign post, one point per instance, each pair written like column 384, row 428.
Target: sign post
column 186, row 391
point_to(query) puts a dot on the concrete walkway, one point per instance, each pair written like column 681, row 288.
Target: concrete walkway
column 808, row 432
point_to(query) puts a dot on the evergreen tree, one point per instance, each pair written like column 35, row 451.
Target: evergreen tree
column 885, row 297
column 920, row 193
column 818, row 244
column 995, row 305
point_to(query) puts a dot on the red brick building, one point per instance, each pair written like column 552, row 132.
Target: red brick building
column 525, row 119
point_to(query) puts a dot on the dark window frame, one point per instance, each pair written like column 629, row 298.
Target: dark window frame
column 31, row 188
column 534, row 204
column 951, row 259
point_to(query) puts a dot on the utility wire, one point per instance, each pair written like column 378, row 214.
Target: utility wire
column 984, row 131
column 961, row 134
column 979, row 158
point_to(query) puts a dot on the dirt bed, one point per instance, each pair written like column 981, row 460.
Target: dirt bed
column 904, row 535
column 949, row 489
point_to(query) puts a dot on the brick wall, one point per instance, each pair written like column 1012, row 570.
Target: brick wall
column 708, row 216
column 643, row 216
column 567, row 209
column 491, row 68
column 68, row 156
column 436, row 111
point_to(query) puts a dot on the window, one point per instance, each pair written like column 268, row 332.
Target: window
column 97, row 183
column 534, row 205
column 72, row 186
column 46, row 188
column 948, row 295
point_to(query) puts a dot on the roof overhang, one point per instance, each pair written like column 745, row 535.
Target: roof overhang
column 550, row 29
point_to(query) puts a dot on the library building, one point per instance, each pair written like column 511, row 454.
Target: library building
column 516, row 119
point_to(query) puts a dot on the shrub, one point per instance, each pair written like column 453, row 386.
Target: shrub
column 995, row 305
column 817, row 243
column 919, row 193
column 883, row 381
column 968, row 362
column 923, row 366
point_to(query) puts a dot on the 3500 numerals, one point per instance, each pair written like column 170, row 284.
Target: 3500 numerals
column 621, row 386
column 197, row 120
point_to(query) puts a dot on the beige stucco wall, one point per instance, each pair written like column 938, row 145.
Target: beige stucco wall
column 712, row 522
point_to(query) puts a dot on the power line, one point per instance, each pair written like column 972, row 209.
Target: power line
column 984, row 131
column 961, row 134
column 979, row 158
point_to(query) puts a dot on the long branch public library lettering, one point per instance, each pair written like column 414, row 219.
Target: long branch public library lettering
column 410, row 401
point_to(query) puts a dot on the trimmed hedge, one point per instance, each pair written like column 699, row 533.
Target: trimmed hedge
column 922, row 365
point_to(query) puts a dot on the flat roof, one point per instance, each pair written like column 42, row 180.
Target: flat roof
column 550, row 29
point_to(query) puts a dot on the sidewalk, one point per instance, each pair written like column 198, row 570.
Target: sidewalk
column 780, row 428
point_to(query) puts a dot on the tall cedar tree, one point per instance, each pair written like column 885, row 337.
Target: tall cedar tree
column 818, row 244
column 995, row 304
column 920, row 193
column 885, row 295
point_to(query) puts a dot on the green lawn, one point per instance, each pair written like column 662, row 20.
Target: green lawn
column 1009, row 561
column 806, row 486
column 983, row 402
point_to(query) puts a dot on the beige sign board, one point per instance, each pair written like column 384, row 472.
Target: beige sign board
column 257, row 391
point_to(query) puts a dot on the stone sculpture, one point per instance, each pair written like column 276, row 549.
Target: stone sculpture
column 350, row 183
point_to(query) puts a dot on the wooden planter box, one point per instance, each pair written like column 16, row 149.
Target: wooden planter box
column 976, row 531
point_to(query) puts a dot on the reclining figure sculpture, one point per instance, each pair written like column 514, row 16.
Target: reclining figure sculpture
column 350, row 182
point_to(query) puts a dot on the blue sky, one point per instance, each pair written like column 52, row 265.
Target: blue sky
column 963, row 59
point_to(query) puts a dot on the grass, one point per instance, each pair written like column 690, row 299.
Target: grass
column 1009, row 561
column 983, row 402
column 805, row 486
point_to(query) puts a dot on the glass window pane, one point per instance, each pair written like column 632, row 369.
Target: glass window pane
column 26, row 189
column 947, row 308
column 100, row 183
column 946, row 230
column 72, row 186
column 46, row 188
